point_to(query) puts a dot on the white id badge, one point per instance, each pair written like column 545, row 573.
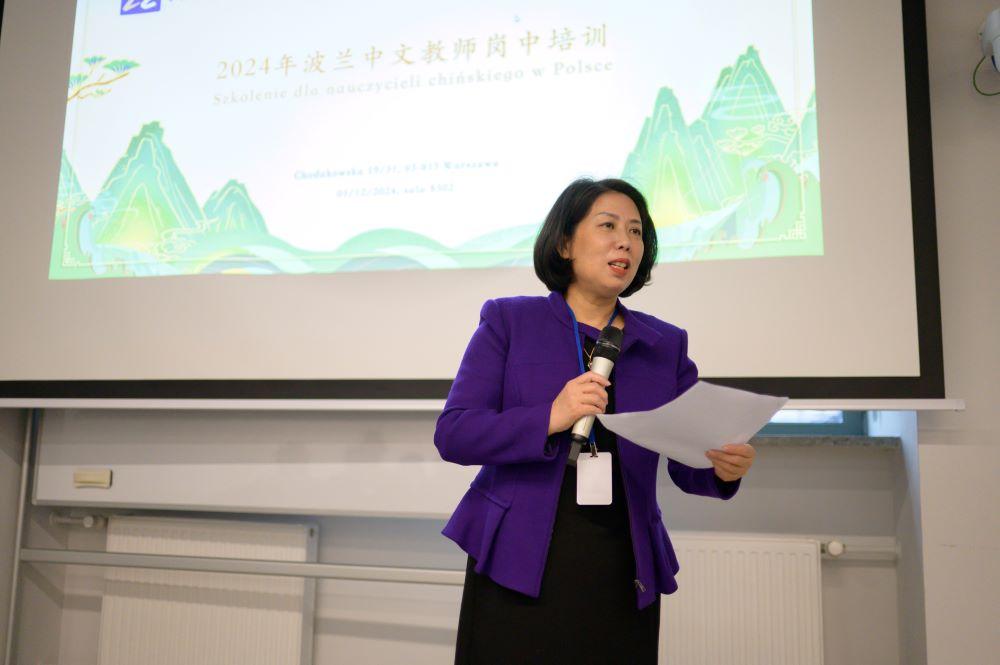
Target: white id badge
column 593, row 479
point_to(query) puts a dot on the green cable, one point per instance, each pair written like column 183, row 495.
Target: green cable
column 976, row 86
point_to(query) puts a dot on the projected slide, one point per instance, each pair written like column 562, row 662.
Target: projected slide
column 317, row 137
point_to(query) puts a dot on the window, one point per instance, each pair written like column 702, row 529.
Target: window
column 793, row 422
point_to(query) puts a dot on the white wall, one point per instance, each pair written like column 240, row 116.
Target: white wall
column 41, row 595
column 960, row 452
column 835, row 491
column 11, row 429
column 832, row 491
column 907, row 519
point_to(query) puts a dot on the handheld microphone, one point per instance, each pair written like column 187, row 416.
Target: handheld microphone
column 606, row 351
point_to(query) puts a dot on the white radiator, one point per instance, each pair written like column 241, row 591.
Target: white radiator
column 169, row 617
column 743, row 600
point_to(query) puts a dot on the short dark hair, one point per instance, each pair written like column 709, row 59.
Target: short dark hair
column 568, row 211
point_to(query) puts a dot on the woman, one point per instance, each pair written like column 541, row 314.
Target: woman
column 548, row 580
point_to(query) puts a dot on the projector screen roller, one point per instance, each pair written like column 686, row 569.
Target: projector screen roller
column 255, row 200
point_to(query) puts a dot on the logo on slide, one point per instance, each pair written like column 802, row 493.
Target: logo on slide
column 139, row 6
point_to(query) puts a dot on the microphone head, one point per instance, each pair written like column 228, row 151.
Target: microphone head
column 609, row 344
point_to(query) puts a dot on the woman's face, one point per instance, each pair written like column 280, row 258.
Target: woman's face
column 610, row 233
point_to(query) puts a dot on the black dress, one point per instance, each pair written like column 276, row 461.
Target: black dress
column 586, row 611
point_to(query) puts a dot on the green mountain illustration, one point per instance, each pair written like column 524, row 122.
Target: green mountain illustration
column 739, row 181
column 72, row 207
column 146, row 198
column 805, row 143
column 230, row 209
column 145, row 221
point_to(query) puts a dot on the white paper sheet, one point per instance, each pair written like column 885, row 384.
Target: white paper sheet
column 706, row 416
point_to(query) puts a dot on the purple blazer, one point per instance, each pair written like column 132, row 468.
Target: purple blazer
column 497, row 416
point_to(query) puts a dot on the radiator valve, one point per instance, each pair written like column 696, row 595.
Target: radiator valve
column 833, row 548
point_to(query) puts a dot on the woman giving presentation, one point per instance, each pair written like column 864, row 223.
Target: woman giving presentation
column 550, row 580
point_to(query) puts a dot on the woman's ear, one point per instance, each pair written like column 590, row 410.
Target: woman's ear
column 565, row 245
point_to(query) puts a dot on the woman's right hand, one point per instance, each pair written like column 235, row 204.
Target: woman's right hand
column 583, row 396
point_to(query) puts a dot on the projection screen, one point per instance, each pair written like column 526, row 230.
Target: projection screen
column 314, row 200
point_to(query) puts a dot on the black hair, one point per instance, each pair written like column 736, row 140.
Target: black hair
column 567, row 212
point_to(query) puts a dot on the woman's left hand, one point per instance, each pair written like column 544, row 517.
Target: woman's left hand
column 732, row 461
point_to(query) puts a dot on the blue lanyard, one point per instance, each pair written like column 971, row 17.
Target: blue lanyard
column 579, row 347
